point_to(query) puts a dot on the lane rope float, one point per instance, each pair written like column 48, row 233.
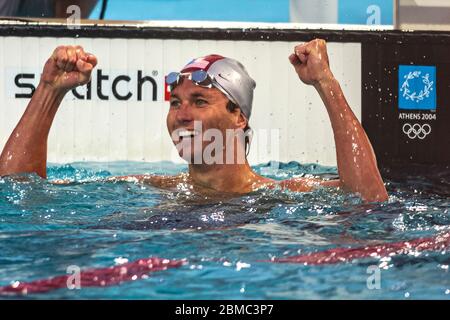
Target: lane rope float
column 139, row 269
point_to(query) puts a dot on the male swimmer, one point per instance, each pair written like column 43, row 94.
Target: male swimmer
column 210, row 93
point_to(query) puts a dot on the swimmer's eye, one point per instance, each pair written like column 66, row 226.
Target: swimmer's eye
column 201, row 102
column 174, row 103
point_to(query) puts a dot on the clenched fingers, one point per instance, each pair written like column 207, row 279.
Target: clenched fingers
column 74, row 58
column 87, row 63
column 71, row 59
column 295, row 61
column 302, row 51
column 60, row 57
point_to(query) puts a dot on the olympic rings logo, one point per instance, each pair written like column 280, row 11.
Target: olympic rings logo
column 416, row 130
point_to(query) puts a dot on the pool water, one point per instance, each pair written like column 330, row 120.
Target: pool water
column 90, row 223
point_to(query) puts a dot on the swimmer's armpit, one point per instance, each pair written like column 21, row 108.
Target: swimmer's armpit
column 308, row 184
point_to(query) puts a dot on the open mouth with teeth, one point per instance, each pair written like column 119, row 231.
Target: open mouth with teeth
column 187, row 134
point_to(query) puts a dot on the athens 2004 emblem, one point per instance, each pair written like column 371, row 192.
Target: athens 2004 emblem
column 414, row 96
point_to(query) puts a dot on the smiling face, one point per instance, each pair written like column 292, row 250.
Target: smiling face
column 207, row 107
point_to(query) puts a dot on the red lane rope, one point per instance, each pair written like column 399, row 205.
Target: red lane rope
column 96, row 277
column 340, row 255
column 140, row 268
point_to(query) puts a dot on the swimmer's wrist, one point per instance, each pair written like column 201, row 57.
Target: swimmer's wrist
column 326, row 81
column 48, row 97
column 51, row 89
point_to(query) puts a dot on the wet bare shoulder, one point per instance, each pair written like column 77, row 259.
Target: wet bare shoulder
column 160, row 181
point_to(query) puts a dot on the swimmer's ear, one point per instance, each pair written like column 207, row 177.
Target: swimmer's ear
column 241, row 120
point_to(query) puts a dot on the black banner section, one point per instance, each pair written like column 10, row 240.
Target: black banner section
column 230, row 309
column 117, row 31
column 406, row 101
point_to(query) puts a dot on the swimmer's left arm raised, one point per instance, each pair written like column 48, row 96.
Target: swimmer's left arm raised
column 358, row 171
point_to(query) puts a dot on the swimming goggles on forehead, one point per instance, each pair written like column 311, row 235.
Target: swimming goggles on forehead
column 200, row 78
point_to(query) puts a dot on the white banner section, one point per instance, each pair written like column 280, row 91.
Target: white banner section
column 122, row 114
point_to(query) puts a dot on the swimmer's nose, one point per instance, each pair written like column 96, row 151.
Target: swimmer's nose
column 184, row 115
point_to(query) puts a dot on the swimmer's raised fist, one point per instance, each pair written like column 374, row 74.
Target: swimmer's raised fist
column 68, row 67
column 311, row 63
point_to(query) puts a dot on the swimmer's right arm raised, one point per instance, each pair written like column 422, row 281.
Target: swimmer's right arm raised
column 26, row 149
